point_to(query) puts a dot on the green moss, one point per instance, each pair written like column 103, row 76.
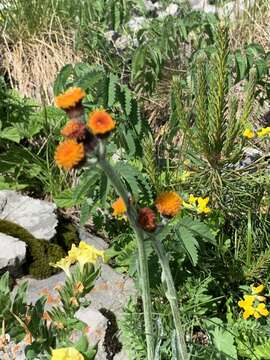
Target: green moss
column 40, row 253
column 66, row 235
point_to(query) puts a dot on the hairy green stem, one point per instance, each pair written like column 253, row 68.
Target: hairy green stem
column 172, row 298
column 143, row 266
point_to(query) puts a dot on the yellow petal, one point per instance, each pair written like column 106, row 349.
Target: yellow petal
column 257, row 289
column 192, row 199
column 262, row 309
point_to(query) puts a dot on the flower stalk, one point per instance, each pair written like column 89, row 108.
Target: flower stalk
column 172, row 298
column 143, row 266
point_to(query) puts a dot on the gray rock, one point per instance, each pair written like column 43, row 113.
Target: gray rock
column 12, row 254
column 36, row 216
column 96, row 322
column 93, row 240
column 123, row 42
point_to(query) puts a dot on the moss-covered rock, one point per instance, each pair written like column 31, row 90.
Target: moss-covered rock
column 40, row 253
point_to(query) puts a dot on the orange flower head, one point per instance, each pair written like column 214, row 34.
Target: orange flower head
column 119, row 207
column 69, row 154
column 100, row 122
column 168, row 203
column 147, row 219
column 70, row 98
column 74, row 129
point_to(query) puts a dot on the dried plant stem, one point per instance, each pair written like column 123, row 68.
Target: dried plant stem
column 172, row 298
column 143, row 266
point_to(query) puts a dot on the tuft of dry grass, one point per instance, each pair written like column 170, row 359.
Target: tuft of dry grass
column 32, row 66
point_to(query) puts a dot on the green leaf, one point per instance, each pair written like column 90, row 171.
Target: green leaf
column 224, row 342
column 82, row 344
column 198, row 228
column 61, row 79
column 263, row 351
column 86, row 185
column 10, row 133
column 113, row 79
column 85, row 211
column 66, row 199
column 189, row 242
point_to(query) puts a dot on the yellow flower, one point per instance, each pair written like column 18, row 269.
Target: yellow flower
column 73, row 301
column 119, row 207
column 85, row 253
column 69, row 98
column 100, row 122
column 248, row 302
column 248, row 312
column 249, row 134
column 64, row 264
column 257, row 289
column 168, row 203
column 202, row 205
column 69, row 154
column 261, row 308
column 192, row 199
column 263, row 132
column 68, row 353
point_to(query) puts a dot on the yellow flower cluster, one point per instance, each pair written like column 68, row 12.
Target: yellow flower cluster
column 254, row 304
column 198, row 203
column 84, row 254
column 250, row 134
column 68, row 353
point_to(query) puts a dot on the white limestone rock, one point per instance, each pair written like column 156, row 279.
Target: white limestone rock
column 13, row 252
column 36, row 216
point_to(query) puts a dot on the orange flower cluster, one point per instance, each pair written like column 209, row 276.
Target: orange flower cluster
column 100, row 122
column 69, row 154
column 80, row 138
column 168, row 203
column 69, row 98
column 119, row 207
column 74, row 129
column 147, row 219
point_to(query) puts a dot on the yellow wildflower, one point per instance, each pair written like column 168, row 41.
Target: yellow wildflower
column 263, row 132
column 202, row 205
column 64, row 264
column 192, row 199
column 85, row 253
column 249, row 134
column 257, row 289
column 68, row 353
column 261, row 308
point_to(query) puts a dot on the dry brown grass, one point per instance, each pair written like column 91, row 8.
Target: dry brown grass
column 253, row 26
column 32, row 66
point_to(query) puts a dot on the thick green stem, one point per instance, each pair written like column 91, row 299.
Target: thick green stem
column 143, row 266
column 172, row 298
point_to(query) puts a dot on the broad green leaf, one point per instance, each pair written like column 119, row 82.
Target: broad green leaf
column 10, row 133
column 198, row 228
column 224, row 342
column 61, row 79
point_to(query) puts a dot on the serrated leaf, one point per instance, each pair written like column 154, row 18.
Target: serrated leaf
column 189, row 243
column 87, row 183
column 198, row 228
column 61, row 79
